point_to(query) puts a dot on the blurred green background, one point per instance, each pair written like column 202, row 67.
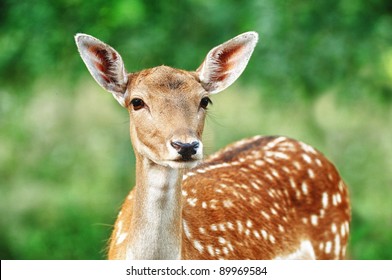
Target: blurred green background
column 322, row 73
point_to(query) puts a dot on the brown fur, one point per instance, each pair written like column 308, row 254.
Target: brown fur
column 234, row 183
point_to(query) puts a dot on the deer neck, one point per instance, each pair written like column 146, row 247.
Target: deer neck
column 156, row 219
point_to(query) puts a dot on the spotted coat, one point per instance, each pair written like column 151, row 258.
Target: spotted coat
column 261, row 198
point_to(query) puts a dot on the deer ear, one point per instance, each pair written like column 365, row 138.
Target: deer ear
column 226, row 62
column 105, row 65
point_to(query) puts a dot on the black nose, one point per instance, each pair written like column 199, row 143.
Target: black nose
column 186, row 150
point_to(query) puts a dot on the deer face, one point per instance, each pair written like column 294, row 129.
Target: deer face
column 167, row 109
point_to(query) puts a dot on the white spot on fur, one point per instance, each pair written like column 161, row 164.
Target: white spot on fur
column 244, row 170
column 264, row 234
column 306, row 158
column 292, row 183
column 333, row 228
column 265, row 215
column 275, row 173
column 186, row 229
column 314, row 220
column 228, row 203
column 269, row 160
column 239, row 226
column 214, row 227
column 210, row 250
column 249, row 223
column 334, row 200
column 311, row 173
column 338, row 198
column 253, row 200
column 347, row 227
column 341, row 186
column 192, row 201
column 269, row 177
column 252, row 166
column 189, row 174
column 337, row 245
column 281, row 155
column 325, row 200
column 222, row 240
column 308, row 149
column 286, row 169
column 198, row 246
column 255, row 186
column 259, row 162
column 304, row 188
column 342, row 230
column 213, row 203
column 328, row 247
column 304, row 252
column 297, row 165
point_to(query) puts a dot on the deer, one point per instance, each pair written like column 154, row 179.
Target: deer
column 264, row 197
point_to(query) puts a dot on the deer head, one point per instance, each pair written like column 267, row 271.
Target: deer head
column 167, row 106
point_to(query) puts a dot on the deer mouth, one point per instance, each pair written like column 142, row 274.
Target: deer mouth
column 182, row 163
column 189, row 158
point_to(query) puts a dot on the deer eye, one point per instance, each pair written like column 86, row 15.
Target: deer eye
column 204, row 102
column 137, row 104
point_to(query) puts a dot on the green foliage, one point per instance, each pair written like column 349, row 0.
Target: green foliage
column 304, row 47
column 321, row 73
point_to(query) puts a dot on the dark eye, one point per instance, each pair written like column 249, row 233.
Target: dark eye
column 137, row 104
column 204, row 102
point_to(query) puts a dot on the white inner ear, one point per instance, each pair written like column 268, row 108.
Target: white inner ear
column 226, row 62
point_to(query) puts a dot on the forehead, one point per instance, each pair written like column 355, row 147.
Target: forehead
column 164, row 80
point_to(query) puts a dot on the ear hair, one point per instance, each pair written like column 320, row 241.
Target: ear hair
column 226, row 62
column 104, row 64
